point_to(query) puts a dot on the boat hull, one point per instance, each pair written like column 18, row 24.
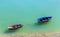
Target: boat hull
column 14, row 27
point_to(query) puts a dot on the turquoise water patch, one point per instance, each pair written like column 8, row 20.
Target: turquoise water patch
column 26, row 12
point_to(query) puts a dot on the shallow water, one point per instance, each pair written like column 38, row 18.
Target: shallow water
column 26, row 12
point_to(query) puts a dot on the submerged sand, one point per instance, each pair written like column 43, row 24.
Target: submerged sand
column 34, row 34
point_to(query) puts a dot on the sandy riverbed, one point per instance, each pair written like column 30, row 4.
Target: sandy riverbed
column 34, row 34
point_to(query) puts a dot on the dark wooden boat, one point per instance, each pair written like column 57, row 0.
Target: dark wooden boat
column 14, row 27
column 44, row 19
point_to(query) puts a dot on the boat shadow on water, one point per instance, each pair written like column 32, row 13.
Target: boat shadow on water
column 12, row 31
column 42, row 23
column 40, row 26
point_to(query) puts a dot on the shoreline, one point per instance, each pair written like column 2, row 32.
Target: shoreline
column 33, row 34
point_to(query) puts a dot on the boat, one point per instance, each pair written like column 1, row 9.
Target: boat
column 14, row 27
column 44, row 19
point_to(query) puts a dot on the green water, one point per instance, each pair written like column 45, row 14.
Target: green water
column 26, row 12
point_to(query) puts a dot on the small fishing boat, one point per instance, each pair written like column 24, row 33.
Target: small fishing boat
column 44, row 19
column 14, row 27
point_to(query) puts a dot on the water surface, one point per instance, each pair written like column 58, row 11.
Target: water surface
column 26, row 12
